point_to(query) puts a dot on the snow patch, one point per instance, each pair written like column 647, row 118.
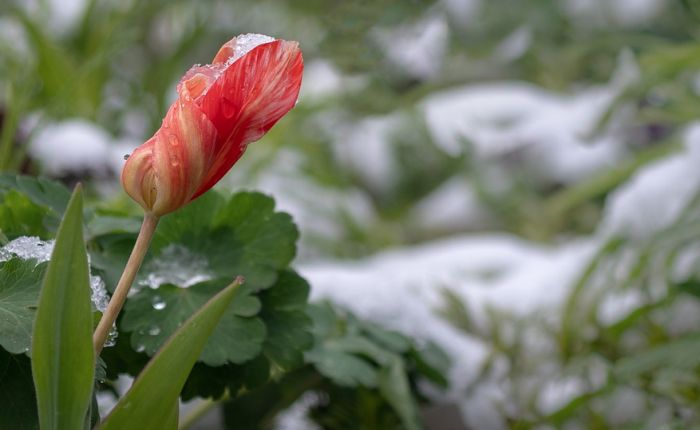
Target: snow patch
column 71, row 146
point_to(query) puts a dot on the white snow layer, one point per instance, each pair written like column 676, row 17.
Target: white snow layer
column 401, row 289
column 497, row 119
column 656, row 195
column 417, row 50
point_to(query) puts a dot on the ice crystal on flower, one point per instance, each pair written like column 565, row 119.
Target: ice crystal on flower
column 245, row 43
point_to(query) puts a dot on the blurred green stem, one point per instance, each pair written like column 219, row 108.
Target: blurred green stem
column 9, row 127
column 567, row 200
column 202, row 409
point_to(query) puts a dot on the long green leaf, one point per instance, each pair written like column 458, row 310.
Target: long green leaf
column 63, row 359
column 149, row 402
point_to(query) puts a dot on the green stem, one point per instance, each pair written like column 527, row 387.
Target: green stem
column 202, row 409
column 9, row 127
column 119, row 297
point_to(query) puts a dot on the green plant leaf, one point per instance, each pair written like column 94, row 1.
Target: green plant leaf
column 236, row 339
column 393, row 384
column 17, row 399
column 31, row 206
column 343, row 368
column 63, row 359
column 266, row 328
column 288, row 325
column 40, row 191
column 20, row 283
column 157, row 388
column 682, row 353
column 19, row 216
column 243, row 236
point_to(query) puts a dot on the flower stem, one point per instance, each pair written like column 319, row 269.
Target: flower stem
column 119, row 297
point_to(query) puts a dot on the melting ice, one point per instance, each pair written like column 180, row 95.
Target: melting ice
column 176, row 265
column 245, row 43
column 31, row 247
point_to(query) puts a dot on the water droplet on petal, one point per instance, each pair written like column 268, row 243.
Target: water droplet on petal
column 228, row 108
column 154, row 330
column 140, row 347
column 158, row 303
column 172, row 139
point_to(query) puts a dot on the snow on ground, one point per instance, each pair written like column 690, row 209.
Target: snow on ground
column 553, row 130
column 644, row 204
column 70, row 146
column 401, row 289
column 417, row 50
column 453, row 206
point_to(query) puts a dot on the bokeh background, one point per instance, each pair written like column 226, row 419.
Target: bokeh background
column 516, row 181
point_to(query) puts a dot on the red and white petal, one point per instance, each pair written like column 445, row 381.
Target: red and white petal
column 249, row 97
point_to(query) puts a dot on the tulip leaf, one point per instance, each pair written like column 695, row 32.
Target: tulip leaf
column 63, row 359
column 20, row 282
column 151, row 398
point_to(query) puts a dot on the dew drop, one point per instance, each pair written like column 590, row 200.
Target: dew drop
column 154, row 330
column 228, row 108
column 172, row 139
column 158, row 303
column 140, row 348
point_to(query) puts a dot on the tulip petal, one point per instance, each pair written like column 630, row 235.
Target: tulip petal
column 250, row 96
column 253, row 81
column 163, row 173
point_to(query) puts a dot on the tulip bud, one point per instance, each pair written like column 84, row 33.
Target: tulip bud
column 221, row 107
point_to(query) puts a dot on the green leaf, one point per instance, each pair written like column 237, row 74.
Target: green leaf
column 63, row 359
column 101, row 225
column 236, row 339
column 17, row 399
column 266, row 329
column 432, row 362
column 243, row 236
column 20, row 283
column 342, row 368
column 31, row 206
column 19, row 216
column 393, row 384
column 156, row 390
column 288, row 325
column 682, row 353
column 690, row 286
column 40, row 191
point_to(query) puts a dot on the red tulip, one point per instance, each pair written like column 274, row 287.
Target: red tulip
column 221, row 107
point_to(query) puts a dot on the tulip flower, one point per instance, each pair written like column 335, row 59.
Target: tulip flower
column 221, row 107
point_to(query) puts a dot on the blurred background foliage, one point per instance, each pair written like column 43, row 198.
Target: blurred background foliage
column 554, row 123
